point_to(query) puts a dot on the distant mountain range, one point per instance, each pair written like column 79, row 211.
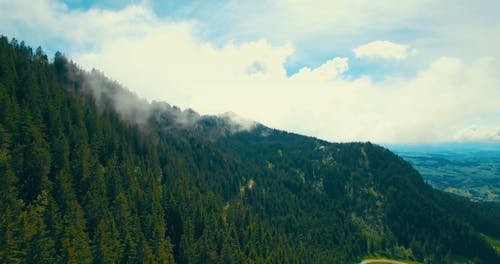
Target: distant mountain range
column 90, row 173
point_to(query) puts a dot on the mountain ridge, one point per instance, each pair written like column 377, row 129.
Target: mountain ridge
column 93, row 187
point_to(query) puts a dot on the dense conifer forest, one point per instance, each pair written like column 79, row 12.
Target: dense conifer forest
column 84, row 181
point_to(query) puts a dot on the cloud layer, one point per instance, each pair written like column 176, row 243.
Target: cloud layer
column 164, row 59
column 474, row 133
column 384, row 50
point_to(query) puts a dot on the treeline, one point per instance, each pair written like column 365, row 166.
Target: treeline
column 80, row 183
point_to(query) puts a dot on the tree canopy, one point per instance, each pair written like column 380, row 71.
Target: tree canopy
column 81, row 183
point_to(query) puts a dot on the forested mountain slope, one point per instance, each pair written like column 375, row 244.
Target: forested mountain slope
column 89, row 173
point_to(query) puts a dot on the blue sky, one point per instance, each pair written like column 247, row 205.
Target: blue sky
column 384, row 71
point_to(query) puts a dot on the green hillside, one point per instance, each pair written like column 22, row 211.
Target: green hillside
column 89, row 173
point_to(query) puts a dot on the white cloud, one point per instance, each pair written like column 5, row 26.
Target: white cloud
column 319, row 28
column 330, row 70
column 165, row 60
column 344, row 16
column 384, row 50
column 479, row 133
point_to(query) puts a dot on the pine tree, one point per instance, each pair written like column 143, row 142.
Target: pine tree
column 32, row 159
column 108, row 247
column 39, row 246
column 75, row 246
column 10, row 206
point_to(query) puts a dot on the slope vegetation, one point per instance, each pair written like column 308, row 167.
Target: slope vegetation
column 89, row 173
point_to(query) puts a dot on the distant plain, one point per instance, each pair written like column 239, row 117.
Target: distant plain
column 468, row 169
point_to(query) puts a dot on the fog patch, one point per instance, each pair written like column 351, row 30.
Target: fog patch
column 110, row 95
column 172, row 116
column 479, row 133
column 237, row 123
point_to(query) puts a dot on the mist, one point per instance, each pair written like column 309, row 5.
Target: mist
column 131, row 108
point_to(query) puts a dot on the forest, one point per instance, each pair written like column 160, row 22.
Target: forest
column 83, row 181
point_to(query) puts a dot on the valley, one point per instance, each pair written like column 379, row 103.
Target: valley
column 470, row 170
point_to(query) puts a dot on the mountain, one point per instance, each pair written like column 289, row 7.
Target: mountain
column 90, row 173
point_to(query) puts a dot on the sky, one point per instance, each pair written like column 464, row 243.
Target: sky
column 342, row 70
